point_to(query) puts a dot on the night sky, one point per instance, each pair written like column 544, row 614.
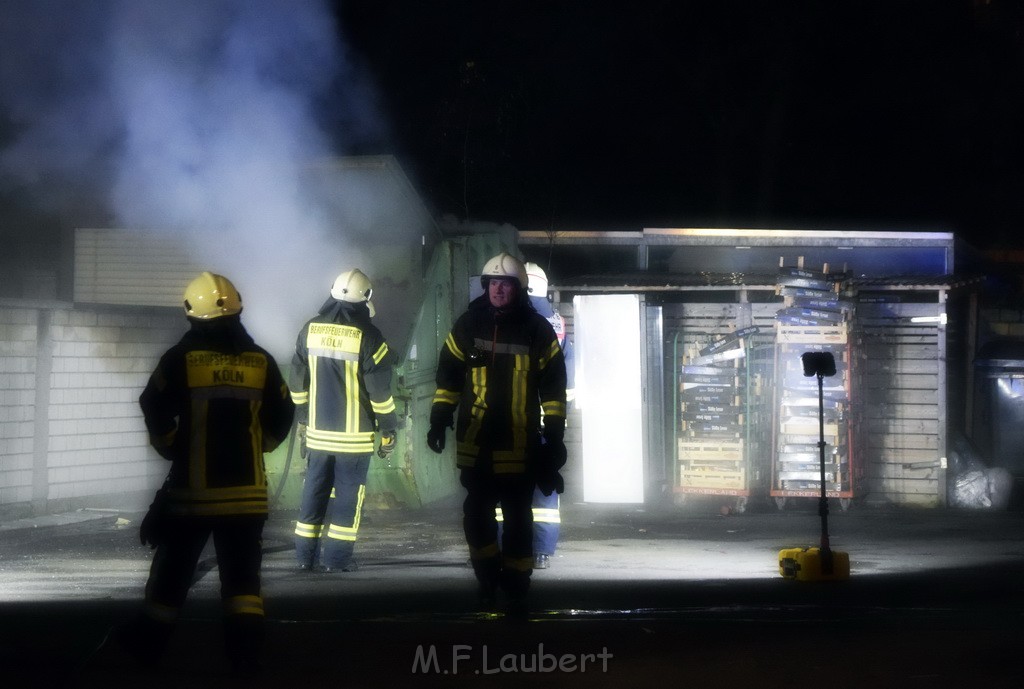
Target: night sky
column 575, row 116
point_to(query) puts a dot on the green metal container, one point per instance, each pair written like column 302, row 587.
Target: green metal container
column 414, row 476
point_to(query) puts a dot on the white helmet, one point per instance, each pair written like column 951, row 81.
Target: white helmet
column 538, row 280
column 353, row 287
column 504, row 265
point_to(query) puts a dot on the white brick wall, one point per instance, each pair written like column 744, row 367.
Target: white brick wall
column 17, row 403
column 97, row 447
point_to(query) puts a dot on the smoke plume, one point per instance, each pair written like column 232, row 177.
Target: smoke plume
column 199, row 118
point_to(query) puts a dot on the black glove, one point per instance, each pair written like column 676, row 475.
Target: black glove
column 162, row 445
column 550, row 482
column 387, row 444
column 435, row 437
column 552, row 456
column 153, row 530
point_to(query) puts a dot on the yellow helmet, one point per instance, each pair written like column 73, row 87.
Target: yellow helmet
column 211, row 296
column 353, row 287
column 504, row 265
column 538, row 280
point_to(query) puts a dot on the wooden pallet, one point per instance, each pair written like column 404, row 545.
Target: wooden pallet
column 713, row 479
column 691, row 449
column 817, row 334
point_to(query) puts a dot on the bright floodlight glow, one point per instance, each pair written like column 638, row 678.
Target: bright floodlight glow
column 941, row 318
column 609, row 386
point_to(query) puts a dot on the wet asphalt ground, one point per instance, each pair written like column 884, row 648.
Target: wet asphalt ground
column 676, row 596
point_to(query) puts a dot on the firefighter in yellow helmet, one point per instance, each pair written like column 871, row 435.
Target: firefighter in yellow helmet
column 214, row 405
column 501, row 365
column 341, row 382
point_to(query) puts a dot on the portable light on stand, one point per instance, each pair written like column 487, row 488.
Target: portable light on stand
column 821, row 563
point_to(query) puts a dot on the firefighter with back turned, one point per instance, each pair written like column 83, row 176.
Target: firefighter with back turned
column 214, row 405
column 341, row 382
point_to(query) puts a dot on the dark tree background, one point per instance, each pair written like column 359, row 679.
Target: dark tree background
column 573, row 115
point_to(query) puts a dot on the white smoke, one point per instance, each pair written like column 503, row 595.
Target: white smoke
column 199, row 118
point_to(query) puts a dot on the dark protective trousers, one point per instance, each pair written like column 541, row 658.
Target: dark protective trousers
column 238, row 541
column 331, row 523
column 547, row 521
column 511, row 565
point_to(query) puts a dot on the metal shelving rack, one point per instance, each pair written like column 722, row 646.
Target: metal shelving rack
column 814, row 318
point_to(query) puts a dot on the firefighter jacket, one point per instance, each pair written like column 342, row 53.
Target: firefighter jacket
column 215, row 403
column 501, row 369
column 341, row 380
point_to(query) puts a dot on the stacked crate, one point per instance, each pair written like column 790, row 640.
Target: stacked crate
column 713, row 387
column 813, row 319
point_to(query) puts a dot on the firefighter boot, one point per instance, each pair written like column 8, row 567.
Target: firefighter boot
column 144, row 640
column 488, row 572
column 516, row 584
column 243, row 643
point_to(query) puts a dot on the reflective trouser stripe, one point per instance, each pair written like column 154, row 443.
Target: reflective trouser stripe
column 547, row 515
column 543, row 515
column 349, row 533
column 490, row 550
column 160, row 613
column 341, row 533
column 243, row 605
column 518, row 564
column 308, row 530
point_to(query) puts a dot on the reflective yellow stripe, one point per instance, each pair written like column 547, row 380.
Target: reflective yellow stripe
column 308, row 530
column 380, row 353
column 445, row 397
column 340, row 441
column 349, row 533
column 454, row 348
column 547, row 515
column 465, row 455
column 159, row 612
column 352, row 396
column 553, row 408
column 550, row 354
column 479, row 408
column 520, row 375
column 490, row 550
column 519, row 564
column 311, row 422
column 300, row 397
column 385, row 407
column 243, row 605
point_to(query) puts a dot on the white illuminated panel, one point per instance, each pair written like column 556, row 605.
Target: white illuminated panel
column 608, row 385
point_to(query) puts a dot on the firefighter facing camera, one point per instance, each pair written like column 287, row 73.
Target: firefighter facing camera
column 341, row 384
column 500, row 367
column 546, row 512
column 215, row 403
